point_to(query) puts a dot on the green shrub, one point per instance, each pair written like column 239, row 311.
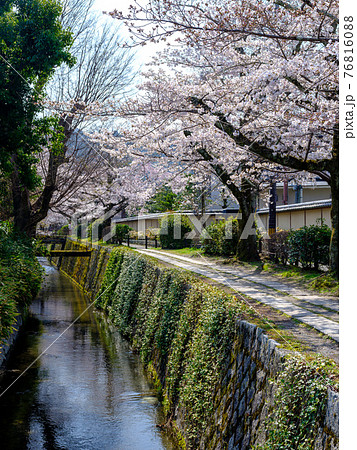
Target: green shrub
column 187, row 324
column 173, row 229
column 127, row 291
column 121, row 233
column 300, row 401
column 146, row 296
column 20, row 276
column 154, row 314
column 309, row 246
column 207, row 351
column 111, row 276
column 221, row 238
column 41, row 249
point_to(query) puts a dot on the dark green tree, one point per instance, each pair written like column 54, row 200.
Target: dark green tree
column 164, row 200
column 32, row 44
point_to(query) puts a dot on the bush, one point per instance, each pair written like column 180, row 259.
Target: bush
column 173, row 229
column 121, row 233
column 20, row 276
column 309, row 246
column 221, row 241
column 300, row 402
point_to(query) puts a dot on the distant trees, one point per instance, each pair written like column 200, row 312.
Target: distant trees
column 86, row 180
column 164, row 200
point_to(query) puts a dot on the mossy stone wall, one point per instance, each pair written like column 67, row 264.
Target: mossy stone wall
column 217, row 373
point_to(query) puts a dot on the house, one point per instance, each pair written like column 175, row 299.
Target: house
column 298, row 205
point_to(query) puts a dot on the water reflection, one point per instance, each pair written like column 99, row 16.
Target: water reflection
column 87, row 391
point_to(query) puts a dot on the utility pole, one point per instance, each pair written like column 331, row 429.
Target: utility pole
column 272, row 210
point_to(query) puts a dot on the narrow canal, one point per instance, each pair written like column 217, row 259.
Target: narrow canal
column 87, row 391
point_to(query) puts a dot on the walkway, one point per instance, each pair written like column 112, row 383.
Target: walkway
column 318, row 311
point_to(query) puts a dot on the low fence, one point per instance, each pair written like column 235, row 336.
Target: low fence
column 146, row 242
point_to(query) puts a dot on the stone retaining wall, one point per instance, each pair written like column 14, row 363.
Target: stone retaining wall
column 245, row 397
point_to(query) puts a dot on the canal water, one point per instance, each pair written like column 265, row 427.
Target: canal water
column 87, row 391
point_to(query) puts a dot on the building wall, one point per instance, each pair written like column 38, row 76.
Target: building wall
column 292, row 220
column 309, row 194
column 320, row 193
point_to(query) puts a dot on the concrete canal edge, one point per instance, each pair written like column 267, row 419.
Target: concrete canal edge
column 243, row 398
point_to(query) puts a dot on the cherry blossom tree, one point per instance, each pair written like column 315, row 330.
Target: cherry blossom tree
column 246, row 88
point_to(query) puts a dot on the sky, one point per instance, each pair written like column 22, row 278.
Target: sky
column 143, row 54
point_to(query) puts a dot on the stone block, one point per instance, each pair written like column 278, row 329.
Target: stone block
column 244, row 384
column 260, row 378
column 332, row 413
column 247, row 363
column 246, row 441
column 252, row 369
column 239, row 435
column 231, row 442
column 257, row 400
column 239, row 361
column 234, row 420
column 236, row 399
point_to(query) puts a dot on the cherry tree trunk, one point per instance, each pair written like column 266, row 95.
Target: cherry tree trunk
column 247, row 248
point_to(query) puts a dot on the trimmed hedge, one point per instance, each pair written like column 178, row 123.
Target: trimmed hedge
column 182, row 328
column 20, row 277
column 121, row 233
column 308, row 246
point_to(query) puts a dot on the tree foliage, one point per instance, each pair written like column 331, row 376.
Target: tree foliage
column 163, row 201
column 20, row 276
column 32, row 44
column 221, row 238
column 121, row 232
